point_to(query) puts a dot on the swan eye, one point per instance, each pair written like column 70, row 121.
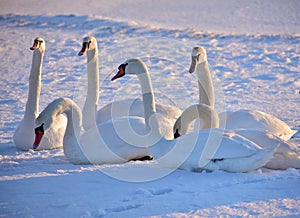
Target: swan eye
column 88, row 44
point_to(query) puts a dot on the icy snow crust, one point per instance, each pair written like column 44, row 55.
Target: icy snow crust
column 250, row 71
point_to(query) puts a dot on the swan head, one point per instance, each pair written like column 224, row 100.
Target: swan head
column 176, row 132
column 39, row 129
column 180, row 127
column 198, row 56
column 49, row 115
column 88, row 43
column 42, row 123
column 38, row 44
column 131, row 66
column 39, row 132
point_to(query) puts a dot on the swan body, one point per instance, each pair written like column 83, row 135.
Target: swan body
column 212, row 149
column 286, row 155
column 245, row 119
column 24, row 134
column 204, row 150
column 256, row 120
column 135, row 107
column 100, row 145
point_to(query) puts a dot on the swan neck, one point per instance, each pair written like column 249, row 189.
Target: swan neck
column 62, row 106
column 73, row 114
column 90, row 106
column 32, row 105
column 206, row 89
column 93, row 75
column 208, row 116
column 148, row 96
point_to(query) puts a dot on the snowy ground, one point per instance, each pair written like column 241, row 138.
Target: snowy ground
column 253, row 49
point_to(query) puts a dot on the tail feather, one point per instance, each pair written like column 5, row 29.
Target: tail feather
column 283, row 161
column 296, row 134
column 248, row 163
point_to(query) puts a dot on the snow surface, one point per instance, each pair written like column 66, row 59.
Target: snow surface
column 253, row 49
column 229, row 16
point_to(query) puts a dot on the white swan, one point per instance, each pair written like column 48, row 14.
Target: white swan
column 247, row 119
column 100, row 145
column 286, row 156
column 205, row 150
column 115, row 109
column 24, row 134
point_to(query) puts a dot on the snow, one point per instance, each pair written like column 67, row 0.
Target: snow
column 253, row 49
column 214, row 15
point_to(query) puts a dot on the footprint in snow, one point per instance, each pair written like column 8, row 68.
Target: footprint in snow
column 104, row 212
column 153, row 192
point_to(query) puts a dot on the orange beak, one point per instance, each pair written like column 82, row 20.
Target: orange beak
column 120, row 73
column 84, row 48
column 39, row 132
column 35, row 46
column 193, row 65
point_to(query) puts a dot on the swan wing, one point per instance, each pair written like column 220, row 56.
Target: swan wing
column 265, row 139
column 133, row 107
column 121, row 108
column 254, row 119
